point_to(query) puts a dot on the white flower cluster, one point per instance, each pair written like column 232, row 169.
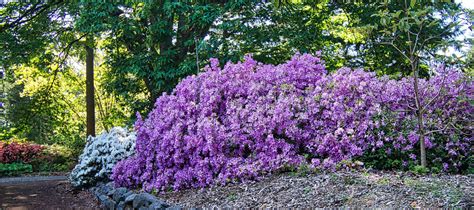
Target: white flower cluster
column 100, row 155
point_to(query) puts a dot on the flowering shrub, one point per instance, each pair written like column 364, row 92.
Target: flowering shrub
column 447, row 101
column 100, row 155
column 19, row 152
column 248, row 119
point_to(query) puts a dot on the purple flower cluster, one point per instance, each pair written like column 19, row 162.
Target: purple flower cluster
column 247, row 119
column 446, row 99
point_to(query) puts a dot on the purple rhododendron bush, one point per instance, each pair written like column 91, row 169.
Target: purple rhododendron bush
column 248, row 119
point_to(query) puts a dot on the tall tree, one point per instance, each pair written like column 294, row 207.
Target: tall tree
column 415, row 32
column 387, row 20
column 43, row 35
column 90, row 104
column 273, row 33
column 151, row 46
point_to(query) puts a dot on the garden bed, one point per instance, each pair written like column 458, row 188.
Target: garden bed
column 339, row 189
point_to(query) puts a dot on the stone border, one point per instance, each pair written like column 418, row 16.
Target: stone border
column 122, row 198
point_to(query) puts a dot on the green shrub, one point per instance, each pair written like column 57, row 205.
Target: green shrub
column 55, row 158
column 419, row 170
column 436, row 170
column 15, row 169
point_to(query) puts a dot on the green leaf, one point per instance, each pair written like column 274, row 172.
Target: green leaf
column 397, row 14
column 383, row 21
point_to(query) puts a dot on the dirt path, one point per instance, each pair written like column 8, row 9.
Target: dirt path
column 53, row 192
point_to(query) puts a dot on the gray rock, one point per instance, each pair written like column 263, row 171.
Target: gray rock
column 110, row 185
column 144, row 199
column 121, row 205
column 140, row 201
column 98, row 192
column 104, row 187
column 121, row 198
column 160, row 205
column 110, row 192
column 102, row 198
column 149, row 196
column 110, row 204
column 174, row 208
column 107, row 202
column 130, row 198
column 94, row 190
column 97, row 189
column 120, row 194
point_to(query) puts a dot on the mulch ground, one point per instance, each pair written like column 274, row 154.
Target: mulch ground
column 297, row 190
column 52, row 194
column 335, row 189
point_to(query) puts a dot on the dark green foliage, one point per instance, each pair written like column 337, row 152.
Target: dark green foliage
column 41, row 120
column 146, row 48
column 380, row 160
column 420, row 170
column 55, row 158
column 389, row 21
column 15, row 169
column 151, row 46
column 37, row 38
column 273, row 34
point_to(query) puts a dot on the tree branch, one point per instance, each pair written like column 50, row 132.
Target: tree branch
column 65, row 52
column 34, row 11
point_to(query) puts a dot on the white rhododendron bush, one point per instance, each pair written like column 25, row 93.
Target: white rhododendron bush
column 100, row 155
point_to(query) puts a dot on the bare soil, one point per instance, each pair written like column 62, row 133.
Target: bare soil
column 49, row 194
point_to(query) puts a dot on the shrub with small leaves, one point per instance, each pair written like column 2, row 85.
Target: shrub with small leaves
column 19, row 152
column 248, row 119
column 14, row 169
column 100, row 155
column 55, row 158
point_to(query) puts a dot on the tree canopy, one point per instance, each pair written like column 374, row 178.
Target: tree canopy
column 143, row 49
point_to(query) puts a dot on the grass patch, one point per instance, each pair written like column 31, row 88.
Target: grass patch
column 437, row 189
column 232, row 197
column 383, row 181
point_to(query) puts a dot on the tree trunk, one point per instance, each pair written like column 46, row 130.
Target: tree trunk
column 90, row 105
column 152, row 90
column 419, row 113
